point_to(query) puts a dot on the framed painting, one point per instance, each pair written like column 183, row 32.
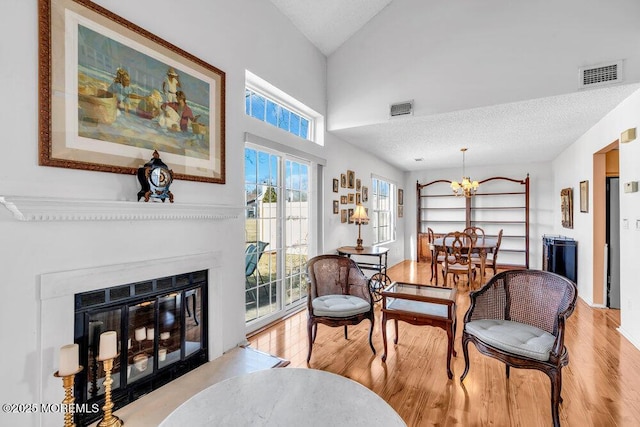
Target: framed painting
column 336, row 208
column 566, row 207
column 584, row 196
column 352, row 198
column 400, row 197
column 349, row 215
column 343, row 200
column 358, row 184
column 111, row 93
column 343, row 215
column 343, row 180
column 351, row 179
column 400, row 211
column 335, row 185
column 365, row 194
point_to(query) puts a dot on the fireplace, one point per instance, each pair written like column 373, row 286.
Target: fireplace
column 161, row 326
column 59, row 291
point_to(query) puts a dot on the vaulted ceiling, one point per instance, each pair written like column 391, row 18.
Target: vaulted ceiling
column 497, row 76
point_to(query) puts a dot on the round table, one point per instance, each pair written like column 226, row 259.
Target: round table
column 481, row 246
column 285, row 397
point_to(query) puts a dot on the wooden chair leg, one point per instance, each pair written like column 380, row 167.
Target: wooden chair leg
column 556, row 388
column 465, row 351
column 312, row 336
column 371, row 335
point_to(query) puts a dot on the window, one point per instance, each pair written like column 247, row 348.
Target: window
column 277, row 232
column 262, row 108
column 269, row 104
column 382, row 218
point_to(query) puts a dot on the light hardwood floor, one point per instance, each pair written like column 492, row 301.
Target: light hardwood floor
column 601, row 384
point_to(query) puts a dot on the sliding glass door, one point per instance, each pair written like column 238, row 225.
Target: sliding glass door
column 277, row 231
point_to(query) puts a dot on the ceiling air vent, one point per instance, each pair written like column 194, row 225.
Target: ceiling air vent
column 401, row 109
column 601, row 74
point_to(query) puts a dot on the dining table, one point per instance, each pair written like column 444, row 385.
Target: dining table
column 482, row 247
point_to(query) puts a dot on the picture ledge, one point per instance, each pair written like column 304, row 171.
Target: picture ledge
column 59, row 209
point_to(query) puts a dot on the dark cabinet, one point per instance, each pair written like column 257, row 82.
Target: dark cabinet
column 560, row 255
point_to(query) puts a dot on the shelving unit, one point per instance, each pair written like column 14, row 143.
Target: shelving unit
column 501, row 203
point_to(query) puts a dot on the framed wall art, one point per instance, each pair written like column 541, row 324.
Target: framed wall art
column 335, row 185
column 400, row 197
column 351, row 179
column 343, row 180
column 111, row 93
column 352, row 198
column 365, row 194
column 343, row 215
column 566, row 207
column 343, row 200
column 584, row 196
column 336, row 207
column 358, row 184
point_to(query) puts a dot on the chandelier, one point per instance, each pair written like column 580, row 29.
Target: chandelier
column 467, row 187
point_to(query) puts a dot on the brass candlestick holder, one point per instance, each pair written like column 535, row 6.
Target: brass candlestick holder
column 67, row 384
column 109, row 420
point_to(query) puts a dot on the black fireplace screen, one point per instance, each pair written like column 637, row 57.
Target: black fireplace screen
column 162, row 334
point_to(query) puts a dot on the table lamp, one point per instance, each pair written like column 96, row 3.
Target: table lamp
column 359, row 216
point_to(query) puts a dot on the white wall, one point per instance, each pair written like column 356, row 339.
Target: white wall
column 575, row 164
column 232, row 36
column 343, row 157
column 540, row 199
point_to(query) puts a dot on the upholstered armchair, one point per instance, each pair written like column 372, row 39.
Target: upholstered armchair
column 338, row 295
column 519, row 318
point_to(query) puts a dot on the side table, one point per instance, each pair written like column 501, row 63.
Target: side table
column 420, row 305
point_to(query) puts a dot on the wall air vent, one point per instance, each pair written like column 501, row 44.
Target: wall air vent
column 401, row 109
column 601, row 74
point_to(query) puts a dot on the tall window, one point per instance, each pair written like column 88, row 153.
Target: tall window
column 276, row 234
column 383, row 219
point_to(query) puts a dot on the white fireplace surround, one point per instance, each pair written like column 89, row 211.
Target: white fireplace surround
column 57, row 292
column 58, row 289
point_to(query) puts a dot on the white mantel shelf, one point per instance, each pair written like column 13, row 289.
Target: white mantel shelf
column 59, row 209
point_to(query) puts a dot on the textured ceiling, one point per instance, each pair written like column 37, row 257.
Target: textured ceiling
column 529, row 131
column 382, row 51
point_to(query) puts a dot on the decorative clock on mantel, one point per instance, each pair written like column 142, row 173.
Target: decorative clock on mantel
column 155, row 178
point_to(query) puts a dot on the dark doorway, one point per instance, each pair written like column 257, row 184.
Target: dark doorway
column 613, row 242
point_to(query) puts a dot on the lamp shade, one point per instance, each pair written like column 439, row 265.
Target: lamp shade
column 359, row 215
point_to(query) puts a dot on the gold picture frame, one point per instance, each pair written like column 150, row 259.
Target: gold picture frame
column 143, row 94
column 584, row 196
column 566, row 207
column 351, row 179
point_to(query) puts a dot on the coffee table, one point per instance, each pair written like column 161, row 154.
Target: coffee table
column 419, row 304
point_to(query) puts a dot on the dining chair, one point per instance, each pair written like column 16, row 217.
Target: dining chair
column 339, row 294
column 491, row 257
column 437, row 256
column 474, row 232
column 458, row 262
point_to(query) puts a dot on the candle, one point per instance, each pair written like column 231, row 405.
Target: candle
column 108, row 345
column 150, row 332
column 141, row 334
column 69, row 360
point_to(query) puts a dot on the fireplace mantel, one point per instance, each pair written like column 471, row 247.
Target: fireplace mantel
column 60, row 209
